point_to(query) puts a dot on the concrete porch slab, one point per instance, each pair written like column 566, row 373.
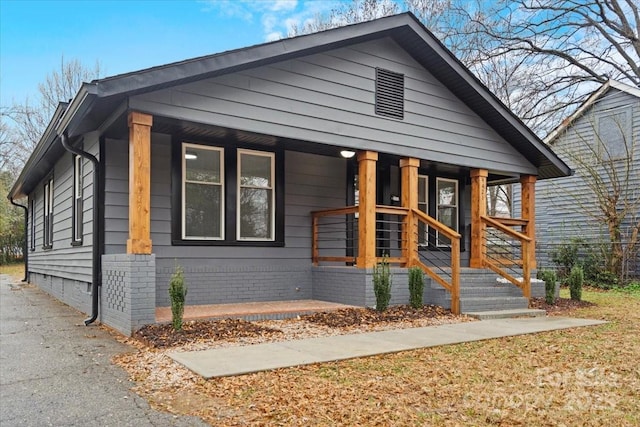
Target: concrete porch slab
column 263, row 310
column 261, row 357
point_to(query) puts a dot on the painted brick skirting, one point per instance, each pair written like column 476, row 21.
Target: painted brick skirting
column 128, row 291
column 209, row 283
column 349, row 285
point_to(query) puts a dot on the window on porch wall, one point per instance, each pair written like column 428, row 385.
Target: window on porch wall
column 202, row 192
column 447, row 206
column 256, row 215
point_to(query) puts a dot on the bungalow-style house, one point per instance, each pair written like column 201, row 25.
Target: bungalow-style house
column 601, row 138
column 283, row 171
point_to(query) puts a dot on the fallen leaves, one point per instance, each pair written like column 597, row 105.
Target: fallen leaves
column 583, row 376
column 162, row 336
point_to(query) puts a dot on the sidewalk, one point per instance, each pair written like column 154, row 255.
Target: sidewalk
column 230, row 361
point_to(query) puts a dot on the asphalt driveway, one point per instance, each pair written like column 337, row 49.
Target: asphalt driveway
column 54, row 371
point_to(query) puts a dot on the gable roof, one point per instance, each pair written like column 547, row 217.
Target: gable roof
column 590, row 101
column 96, row 101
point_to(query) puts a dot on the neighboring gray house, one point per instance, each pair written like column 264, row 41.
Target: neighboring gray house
column 603, row 133
column 232, row 166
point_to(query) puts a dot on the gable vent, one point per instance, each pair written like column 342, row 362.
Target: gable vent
column 389, row 94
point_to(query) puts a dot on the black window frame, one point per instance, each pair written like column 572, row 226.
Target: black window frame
column 47, row 213
column 230, row 236
column 432, row 207
column 77, row 200
column 32, row 224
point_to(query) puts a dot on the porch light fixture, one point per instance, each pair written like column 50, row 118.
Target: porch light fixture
column 347, row 154
column 190, row 156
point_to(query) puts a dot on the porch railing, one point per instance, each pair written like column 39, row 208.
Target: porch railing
column 437, row 253
column 506, row 251
column 430, row 245
column 335, row 234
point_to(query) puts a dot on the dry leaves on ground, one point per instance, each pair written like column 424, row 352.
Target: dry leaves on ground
column 584, row 376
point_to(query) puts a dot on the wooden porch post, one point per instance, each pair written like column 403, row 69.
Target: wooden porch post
column 478, row 209
column 139, row 241
column 409, row 189
column 528, row 197
column 367, row 209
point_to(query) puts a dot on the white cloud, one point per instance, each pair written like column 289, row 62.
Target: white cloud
column 276, row 16
column 271, row 37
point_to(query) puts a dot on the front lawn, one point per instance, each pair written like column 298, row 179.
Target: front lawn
column 585, row 376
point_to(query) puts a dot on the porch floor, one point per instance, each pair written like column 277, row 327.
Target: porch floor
column 266, row 310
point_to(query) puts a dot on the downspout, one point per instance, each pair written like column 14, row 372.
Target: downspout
column 96, row 235
column 25, row 250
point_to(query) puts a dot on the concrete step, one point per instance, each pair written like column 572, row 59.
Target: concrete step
column 492, row 303
column 506, row 314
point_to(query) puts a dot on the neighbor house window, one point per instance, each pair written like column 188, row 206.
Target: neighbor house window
column 202, row 192
column 32, row 224
column 614, row 132
column 423, row 205
column 447, row 205
column 47, row 242
column 78, row 182
column 256, row 202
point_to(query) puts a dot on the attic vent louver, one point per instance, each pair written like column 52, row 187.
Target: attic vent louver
column 389, row 93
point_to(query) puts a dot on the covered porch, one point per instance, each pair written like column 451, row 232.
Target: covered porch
column 362, row 235
column 358, row 236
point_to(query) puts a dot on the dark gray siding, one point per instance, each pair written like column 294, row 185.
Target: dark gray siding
column 218, row 274
column 63, row 260
column 564, row 207
column 329, row 98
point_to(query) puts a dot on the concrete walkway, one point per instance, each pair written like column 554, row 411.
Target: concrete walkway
column 261, row 357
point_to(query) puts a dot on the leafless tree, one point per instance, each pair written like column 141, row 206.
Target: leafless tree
column 610, row 173
column 345, row 14
column 565, row 43
column 23, row 123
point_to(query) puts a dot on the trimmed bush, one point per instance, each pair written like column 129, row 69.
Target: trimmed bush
column 416, row 287
column 575, row 280
column 550, row 278
column 382, row 284
column 178, row 295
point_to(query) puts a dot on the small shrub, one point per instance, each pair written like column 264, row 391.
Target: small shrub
column 382, row 284
column 604, row 279
column 416, row 287
column 550, row 278
column 566, row 256
column 178, row 295
column 575, row 280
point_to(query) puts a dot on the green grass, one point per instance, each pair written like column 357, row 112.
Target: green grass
column 16, row 270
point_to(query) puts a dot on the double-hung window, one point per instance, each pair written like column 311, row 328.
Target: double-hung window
column 447, row 205
column 224, row 195
column 47, row 242
column 256, row 201
column 78, row 183
column 32, row 224
column 202, row 192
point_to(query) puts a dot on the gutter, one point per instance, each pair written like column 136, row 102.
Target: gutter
column 96, row 255
column 25, row 250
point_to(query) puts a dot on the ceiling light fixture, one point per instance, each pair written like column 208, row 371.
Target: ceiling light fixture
column 347, row 154
column 190, row 156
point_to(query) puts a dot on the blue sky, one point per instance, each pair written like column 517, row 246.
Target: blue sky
column 130, row 35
